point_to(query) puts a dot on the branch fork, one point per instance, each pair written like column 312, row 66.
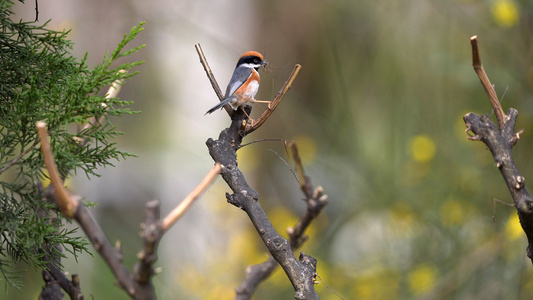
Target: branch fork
column 500, row 141
column 137, row 283
column 301, row 273
column 251, row 126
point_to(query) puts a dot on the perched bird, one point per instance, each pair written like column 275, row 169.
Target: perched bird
column 244, row 83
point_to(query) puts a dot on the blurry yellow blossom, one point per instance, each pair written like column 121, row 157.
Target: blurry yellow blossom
column 451, row 212
column 195, row 283
column 401, row 219
column 283, row 218
column 422, row 148
column 505, row 13
column 377, row 284
column 306, row 148
column 513, row 229
column 46, row 181
column 248, row 158
column 243, row 249
column 421, row 278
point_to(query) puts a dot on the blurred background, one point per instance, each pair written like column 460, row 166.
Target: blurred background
column 377, row 114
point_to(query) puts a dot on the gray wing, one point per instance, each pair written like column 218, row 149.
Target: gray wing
column 240, row 75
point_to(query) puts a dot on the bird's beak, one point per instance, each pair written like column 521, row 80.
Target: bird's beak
column 264, row 63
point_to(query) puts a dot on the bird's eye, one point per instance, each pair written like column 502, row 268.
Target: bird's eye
column 256, row 60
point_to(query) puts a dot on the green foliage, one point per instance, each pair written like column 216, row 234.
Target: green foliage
column 41, row 81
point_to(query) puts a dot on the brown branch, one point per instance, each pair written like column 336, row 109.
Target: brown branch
column 316, row 200
column 501, row 117
column 211, row 77
column 154, row 229
column 300, row 272
column 151, row 235
column 500, row 142
column 184, row 205
column 246, row 198
column 66, row 202
column 71, row 208
column 139, row 285
column 250, row 127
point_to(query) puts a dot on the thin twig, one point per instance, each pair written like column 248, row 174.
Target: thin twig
column 300, row 169
column 36, row 11
column 16, row 159
column 112, row 92
column 250, row 127
column 292, row 171
column 501, row 117
column 67, row 203
column 211, row 77
column 328, row 286
column 177, row 212
column 264, row 140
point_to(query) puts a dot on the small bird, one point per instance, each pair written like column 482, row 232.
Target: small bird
column 244, row 83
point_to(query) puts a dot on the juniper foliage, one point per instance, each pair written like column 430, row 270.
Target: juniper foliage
column 41, row 81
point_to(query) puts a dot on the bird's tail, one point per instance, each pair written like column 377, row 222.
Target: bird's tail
column 219, row 105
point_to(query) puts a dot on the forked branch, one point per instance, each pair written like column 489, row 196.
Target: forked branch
column 251, row 126
column 500, row 142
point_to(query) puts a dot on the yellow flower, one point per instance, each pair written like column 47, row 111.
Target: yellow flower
column 422, row 148
column 376, row 284
column 451, row 212
column 422, row 278
column 513, row 228
column 505, row 13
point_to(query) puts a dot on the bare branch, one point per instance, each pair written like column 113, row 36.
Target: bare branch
column 489, row 88
column 151, row 235
column 250, row 127
column 211, row 77
column 500, row 142
column 316, row 201
column 177, row 212
column 67, row 203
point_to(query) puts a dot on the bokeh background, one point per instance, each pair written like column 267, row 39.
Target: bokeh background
column 377, row 113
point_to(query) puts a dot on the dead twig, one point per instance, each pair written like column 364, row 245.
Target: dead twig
column 250, row 127
column 501, row 117
column 184, row 205
column 211, row 77
column 66, row 202
column 500, row 141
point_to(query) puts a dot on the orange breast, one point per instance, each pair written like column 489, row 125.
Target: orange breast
column 247, row 91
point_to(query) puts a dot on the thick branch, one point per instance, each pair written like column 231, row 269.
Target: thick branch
column 151, row 234
column 315, row 200
column 245, row 197
column 500, row 142
column 71, row 207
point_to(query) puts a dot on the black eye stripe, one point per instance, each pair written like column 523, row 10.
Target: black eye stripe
column 250, row 60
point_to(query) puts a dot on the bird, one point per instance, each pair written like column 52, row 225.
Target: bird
column 244, row 82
